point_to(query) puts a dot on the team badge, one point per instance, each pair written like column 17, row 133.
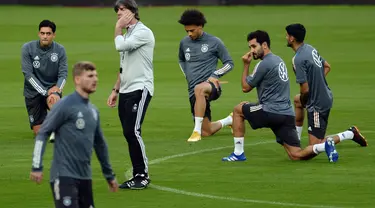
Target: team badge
column 80, row 122
column 204, row 48
column 135, row 107
column 31, row 117
column 67, row 201
column 54, row 57
column 187, row 56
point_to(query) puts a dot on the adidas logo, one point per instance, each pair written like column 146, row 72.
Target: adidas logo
column 144, row 182
column 238, row 142
column 36, row 58
column 188, row 50
column 80, row 115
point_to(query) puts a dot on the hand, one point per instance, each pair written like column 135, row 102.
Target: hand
column 36, row 176
column 247, row 58
column 52, row 99
column 112, row 99
column 113, row 185
column 53, row 89
column 125, row 19
column 215, row 81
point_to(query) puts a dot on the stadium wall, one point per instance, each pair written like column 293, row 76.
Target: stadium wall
column 188, row 2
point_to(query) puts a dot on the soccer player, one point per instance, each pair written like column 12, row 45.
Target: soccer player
column 273, row 109
column 199, row 53
column 315, row 95
column 77, row 125
column 135, row 84
column 44, row 65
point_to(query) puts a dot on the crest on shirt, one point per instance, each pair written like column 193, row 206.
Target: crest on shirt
column 187, row 56
column 80, row 122
column 36, row 63
column 31, row 118
column 54, row 57
column 204, row 48
column 67, row 201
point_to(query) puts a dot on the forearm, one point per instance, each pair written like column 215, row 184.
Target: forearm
column 118, row 82
column 103, row 157
column 326, row 70
column 245, row 74
column 37, row 85
column 39, row 148
column 61, row 83
column 304, row 97
column 223, row 70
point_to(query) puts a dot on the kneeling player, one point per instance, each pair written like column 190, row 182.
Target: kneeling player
column 274, row 109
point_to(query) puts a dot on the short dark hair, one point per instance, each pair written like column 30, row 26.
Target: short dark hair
column 47, row 23
column 261, row 37
column 192, row 17
column 129, row 4
column 82, row 66
column 298, row 31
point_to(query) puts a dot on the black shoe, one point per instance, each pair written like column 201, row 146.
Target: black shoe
column 138, row 182
column 358, row 137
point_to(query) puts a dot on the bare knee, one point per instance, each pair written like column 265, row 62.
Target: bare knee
column 238, row 109
column 200, row 90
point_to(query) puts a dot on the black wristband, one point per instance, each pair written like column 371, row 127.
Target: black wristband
column 56, row 93
column 120, row 70
column 116, row 90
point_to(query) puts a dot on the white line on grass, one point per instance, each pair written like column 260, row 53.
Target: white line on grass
column 128, row 174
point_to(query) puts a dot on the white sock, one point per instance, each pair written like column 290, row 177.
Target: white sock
column 299, row 131
column 198, row 124
column 238, row 145
column 346, row 135
column 318, row 148
column 226, row 121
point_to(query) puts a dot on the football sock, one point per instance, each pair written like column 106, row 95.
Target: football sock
column 238, row 145
column 318, row 148
column 226, row 121
column 346, row 135
column 198, row 124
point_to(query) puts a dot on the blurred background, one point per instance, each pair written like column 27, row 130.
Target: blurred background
column 185, row 2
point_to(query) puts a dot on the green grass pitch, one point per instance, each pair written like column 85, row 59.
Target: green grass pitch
column 344, row 35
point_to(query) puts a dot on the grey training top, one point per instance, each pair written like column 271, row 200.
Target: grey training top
column 270, row 77
column 198, row 59
column 309, row 67
column 76, row 124
column 43, row 68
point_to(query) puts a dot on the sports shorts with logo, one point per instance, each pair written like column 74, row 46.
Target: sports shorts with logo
column 72, row 193
column 318, row 123
column 283, row 126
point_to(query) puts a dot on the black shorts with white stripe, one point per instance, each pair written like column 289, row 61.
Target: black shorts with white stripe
column 283, row 126
column 132, row 109
column 318, row 123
